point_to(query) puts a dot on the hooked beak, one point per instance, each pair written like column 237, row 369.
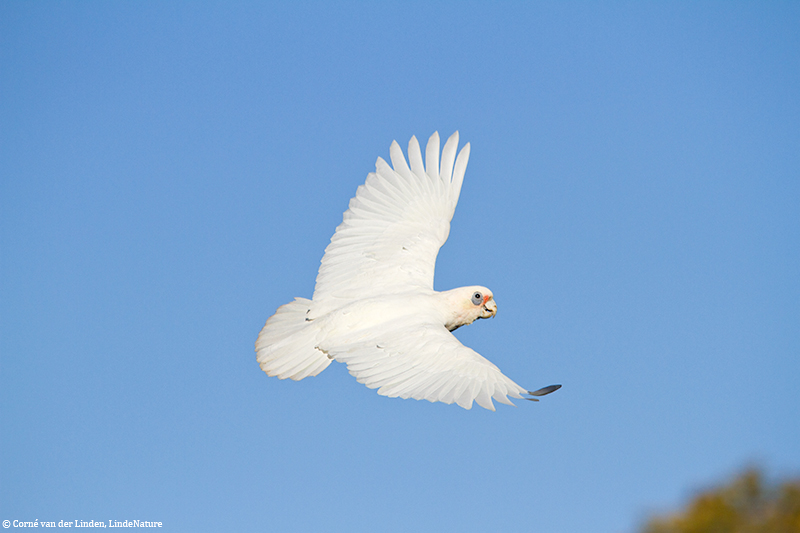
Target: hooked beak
column 489, row 309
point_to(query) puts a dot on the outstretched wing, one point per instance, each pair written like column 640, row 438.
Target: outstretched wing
column 390, row 235
column 425, row 362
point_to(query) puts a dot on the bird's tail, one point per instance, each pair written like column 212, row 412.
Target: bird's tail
column 287, row 345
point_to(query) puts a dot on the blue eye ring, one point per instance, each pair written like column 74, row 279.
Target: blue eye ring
column 477, row 298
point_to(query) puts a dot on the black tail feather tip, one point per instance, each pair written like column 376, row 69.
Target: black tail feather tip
column 542, row 392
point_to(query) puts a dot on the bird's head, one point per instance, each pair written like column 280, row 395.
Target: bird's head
column 468, row 304
column 482, row 300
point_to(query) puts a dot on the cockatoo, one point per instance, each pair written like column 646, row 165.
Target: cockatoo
column 374, row 307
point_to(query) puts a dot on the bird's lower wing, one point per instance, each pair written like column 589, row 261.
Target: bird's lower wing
column 425, row 362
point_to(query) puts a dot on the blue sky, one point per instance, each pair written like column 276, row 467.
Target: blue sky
column 172, row 172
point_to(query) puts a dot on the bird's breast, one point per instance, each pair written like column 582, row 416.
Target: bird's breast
column 368, row 317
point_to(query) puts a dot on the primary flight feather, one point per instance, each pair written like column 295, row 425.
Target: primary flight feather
column 374, row 307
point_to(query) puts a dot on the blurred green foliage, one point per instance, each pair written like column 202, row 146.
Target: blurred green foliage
column 746, row 505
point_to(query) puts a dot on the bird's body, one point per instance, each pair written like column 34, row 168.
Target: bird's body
column 374, row 307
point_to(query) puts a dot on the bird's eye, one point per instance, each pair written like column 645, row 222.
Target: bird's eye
column 477, row 298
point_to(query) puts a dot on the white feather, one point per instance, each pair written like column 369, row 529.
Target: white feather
column 286, row 347
column 392, row 231
column 412, row 357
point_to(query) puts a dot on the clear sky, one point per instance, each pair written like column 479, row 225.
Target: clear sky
column 172, row 172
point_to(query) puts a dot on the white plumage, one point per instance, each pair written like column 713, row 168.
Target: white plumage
column 374, row 307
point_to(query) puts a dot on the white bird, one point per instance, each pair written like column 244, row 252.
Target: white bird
column 374, row 307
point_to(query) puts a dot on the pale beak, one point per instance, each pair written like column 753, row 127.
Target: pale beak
column 489, row 309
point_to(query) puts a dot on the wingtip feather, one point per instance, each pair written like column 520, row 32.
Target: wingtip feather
column 459, row 171
column 415, row 157
column 432, row 156
column 448, row 158
column 399, row 160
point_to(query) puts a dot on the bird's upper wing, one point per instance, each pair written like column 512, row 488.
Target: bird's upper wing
column 424, row 361
column 390, row 235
